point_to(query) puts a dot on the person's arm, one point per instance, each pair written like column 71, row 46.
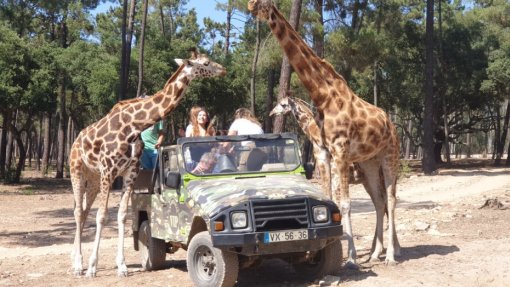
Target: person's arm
column 161, row 137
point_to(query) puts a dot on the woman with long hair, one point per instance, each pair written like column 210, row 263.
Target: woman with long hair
column 200, row 123
column 245, row 123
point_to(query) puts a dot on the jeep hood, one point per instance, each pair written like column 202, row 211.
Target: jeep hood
column 215, row 194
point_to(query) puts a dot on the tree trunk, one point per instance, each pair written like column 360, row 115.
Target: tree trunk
column 3, row 144
column 123, row 58
column 46, row 143
column 504, row 133
column 229, row 27
column 22, row 156
column 285, row 72
column 318, row 46
column 142, row 45
column 408, row 139
column 127, row 36
column 30, row 146
column 162, row 19
column 271, row 81
column 428, row 162
column 61, row 134
column 10, row 142
column 254, row 69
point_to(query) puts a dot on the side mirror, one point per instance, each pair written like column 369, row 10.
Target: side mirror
column 309, row 167
column 172, row 179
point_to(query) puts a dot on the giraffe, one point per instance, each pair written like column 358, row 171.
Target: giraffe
column 112, row 146
column 306, row 121
column 353, row 131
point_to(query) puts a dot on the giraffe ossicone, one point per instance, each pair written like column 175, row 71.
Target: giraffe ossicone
column 111, row 147
column 353, row 131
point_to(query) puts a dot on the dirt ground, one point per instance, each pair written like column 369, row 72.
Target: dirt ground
column 454, row 229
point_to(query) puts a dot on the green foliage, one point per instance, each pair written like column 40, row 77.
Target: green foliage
column 405, row 169
column 10, row 175
column 15, row 69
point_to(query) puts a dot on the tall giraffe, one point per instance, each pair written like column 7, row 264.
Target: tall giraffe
column 306, row 120
column 353, row 131
column 112, row 146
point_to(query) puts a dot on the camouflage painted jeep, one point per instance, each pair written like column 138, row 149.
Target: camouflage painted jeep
column 232, row 201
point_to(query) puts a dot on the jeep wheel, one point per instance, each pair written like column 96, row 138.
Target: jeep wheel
column 326, row 261
column 210, row 266
column 152, row 250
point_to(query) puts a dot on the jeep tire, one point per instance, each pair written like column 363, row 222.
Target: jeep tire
column 326, row 261
column 152, row 250
column 209, row 266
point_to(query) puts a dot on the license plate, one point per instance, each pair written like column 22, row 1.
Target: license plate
column 289, row 235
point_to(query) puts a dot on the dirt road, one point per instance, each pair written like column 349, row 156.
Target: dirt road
column 447, row 239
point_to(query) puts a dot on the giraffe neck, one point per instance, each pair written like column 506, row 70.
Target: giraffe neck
column 166, row 100
column 304, row 117
column 315, row 74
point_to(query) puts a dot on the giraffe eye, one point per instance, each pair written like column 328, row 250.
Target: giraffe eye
column 206, row 63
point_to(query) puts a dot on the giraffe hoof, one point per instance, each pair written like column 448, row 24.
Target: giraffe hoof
column 390, row 262
column 78, row 273
column 90, row 274
column 351, row 265
column 374, row 260
column 122, row 274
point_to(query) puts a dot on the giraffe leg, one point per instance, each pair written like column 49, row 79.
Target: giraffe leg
column 129, row 180
column 340, row 187
column 91, row 192
column 101, row 218
column 78, row 190
column 372, row 183
column 323, row 160
column 389, row 170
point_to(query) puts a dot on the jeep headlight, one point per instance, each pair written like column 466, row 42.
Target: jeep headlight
column 239, row 219
column 320, row 213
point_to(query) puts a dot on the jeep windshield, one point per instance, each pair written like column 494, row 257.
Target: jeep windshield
column 206, row 156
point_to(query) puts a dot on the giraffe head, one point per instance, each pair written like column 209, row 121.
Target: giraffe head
column 282, row 108
column 260, row 8
column 200, row 66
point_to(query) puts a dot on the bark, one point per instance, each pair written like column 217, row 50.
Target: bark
column 295, row 13
column 30, row 147
column 428, row 162
column 3, row 144
column 10, row 142
column 446, row 142
column 122, row 80
column 408, row 139
column 142, row 46
column 229, row 27
column 271, row 82
column 46, row 143
column 127, row 36
column 504, row 133
column 22, row 155
column 129, row 40
column 61, row 134
column 254, row 69
column 162, row 20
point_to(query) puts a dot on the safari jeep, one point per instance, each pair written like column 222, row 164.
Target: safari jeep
column 251, row 202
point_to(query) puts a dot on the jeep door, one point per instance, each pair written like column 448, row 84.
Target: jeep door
column 171, row 217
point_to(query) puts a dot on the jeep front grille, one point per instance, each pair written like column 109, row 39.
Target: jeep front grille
column 280, row 214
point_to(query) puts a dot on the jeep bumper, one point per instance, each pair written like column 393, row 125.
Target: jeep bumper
column 253, row 243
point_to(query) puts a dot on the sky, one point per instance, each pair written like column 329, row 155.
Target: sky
column 204, row 8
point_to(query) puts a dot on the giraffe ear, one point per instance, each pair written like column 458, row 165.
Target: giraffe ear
column 179, row 62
